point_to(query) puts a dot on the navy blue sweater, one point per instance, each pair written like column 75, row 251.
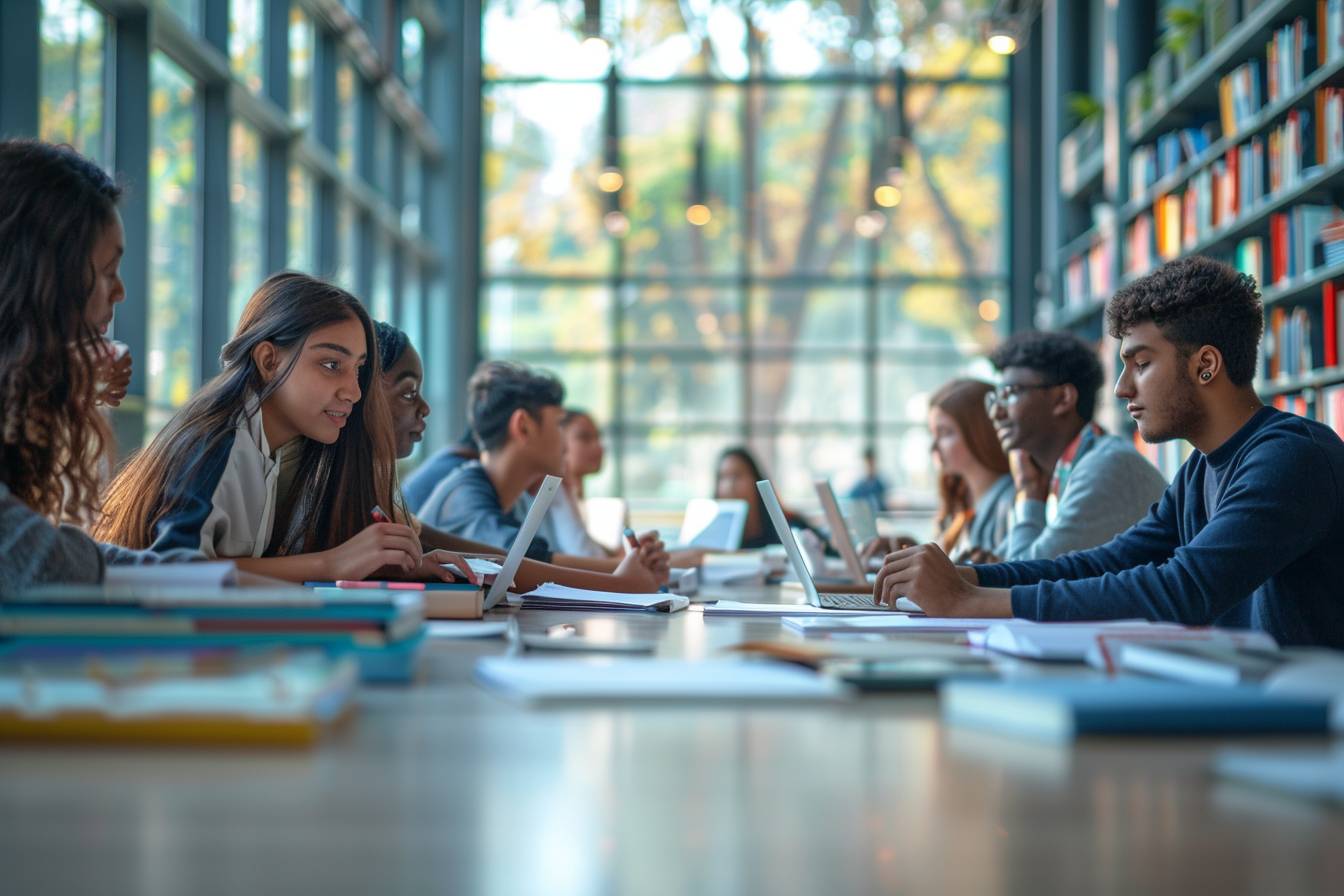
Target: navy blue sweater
column 1270, row 555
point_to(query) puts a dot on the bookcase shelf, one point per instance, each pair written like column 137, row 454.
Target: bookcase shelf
column 1330, row 75
column 1091, row 176
column 1302, row 286
column 1317, row 379
column 1199, row 88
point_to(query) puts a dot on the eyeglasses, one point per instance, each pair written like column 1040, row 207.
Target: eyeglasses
column 1009, row 393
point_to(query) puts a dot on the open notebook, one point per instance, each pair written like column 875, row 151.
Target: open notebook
column 561, row 597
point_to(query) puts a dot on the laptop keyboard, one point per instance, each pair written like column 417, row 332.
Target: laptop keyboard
column 849, row 602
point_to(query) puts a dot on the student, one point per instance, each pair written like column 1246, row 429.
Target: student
column 61, row 243
column 1251, row 532
column 418, row 486
column 737, row 473
column 975, row 490
column 279, row 461
column 583, row 457
column 402, row 376
column 515, row 415
column 872, row 487
column 1042, row 411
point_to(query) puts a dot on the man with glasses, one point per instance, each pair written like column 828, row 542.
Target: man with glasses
column 1077, row 486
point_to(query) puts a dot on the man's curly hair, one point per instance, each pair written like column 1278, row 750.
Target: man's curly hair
column 1059, row 358
column 1196, row 301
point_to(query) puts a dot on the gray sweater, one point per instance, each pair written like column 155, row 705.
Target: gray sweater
column 1110, row 488
column 34, row 552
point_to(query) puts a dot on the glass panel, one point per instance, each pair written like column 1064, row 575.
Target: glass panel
column 347, row 246
column 587, row 380
column 903, row 388
column 807, row 316
column 904, row 460
column 560, row 318
column 664, row 315
column 174, row 278
column 814, row 37
column 412, row 183
column 793, row 390
column 950, row 219
column 938, row 39
column 300, row 65
column 410, row 316
column 380, row 303
column 682, row 146
column 667, row 462
column 795, row 459
column 660, row 388
column 249, row 219
column 667, row 38
column 345, row 115
column 539, row 38
column 73, row 36
column 300, row 219
column 543, row 211
column 245, row 43
column 413, row 56
column 189, row 11
column 938, row 320
column 813, row 157
column 382, row 150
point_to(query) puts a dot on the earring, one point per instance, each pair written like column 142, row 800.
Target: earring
column 1206, row 376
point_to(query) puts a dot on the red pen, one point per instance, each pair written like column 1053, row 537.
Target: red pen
column 631, row 539
column 379, row 516
column 390, row 586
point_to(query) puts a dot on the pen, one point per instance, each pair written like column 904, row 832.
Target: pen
column 631, row 539
column 379, row 516
column 390, row 586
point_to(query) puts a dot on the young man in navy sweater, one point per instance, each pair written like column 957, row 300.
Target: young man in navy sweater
column 1250, row 532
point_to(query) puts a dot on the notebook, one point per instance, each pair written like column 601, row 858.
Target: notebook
column 1062, row 708
column 533, row 680
column 258, row 699
column 561, row 597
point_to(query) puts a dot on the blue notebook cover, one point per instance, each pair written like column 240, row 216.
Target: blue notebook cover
column 1062, row 708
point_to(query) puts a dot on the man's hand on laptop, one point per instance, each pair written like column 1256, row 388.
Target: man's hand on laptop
column 925, row 575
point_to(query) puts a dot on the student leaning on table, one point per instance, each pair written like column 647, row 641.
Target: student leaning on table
column 1250, row 532
column 61, row 243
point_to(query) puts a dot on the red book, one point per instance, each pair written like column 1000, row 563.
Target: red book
column 1329, row 313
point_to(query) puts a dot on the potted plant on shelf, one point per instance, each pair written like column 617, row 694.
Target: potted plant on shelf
column 1183, row 36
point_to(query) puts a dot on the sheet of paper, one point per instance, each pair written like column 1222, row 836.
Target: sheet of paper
column 551, row 594
column 1066, row 641
column 453, row 628
column 740, row 608
column 538, row 680
column 887, row 622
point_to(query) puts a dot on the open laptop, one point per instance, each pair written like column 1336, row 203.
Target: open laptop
column 531, row 523
column 840, row 534
column 715, row 525
column 831, row 601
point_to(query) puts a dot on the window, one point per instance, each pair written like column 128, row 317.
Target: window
column 246, row 200
column 380, row 302
column 747, row 281
column 174, row 285
column 346, row 115
column 245, row 41
column 189, row 11
column 413, row 56
column 73, row 61
column 301, row 255
column 300, row 66
column 347, row 246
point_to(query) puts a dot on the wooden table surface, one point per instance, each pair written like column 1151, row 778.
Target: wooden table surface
column 443, row 787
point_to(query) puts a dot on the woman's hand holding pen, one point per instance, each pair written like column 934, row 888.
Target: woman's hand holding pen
column 377, row 546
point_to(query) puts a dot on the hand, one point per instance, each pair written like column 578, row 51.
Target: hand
column 1028, row 478
column 654, row 556
column 926, row 576
column 379, row 545
column 882, row 545
column 114, row 372
column 635, row 576
column 447, row 566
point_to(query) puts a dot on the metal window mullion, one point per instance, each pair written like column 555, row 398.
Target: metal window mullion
column 214, row 234
column 325, row 204
column 20, row 68
column 276, row 150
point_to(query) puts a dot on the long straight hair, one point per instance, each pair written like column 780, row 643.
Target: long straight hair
column 964, row 401
column 335, row 487
column 56, row 205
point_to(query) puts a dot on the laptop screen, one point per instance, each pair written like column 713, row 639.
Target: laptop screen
column 781, row 524
column 540, row 505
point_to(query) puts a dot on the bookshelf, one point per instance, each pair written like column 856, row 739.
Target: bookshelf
column 1239, row 155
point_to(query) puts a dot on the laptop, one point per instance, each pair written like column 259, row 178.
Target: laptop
column 715, row 525
column 831, row 601
column 531, row 523
column 840, row 534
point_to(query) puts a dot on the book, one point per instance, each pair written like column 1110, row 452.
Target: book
column 1059, row 709
column 1208, row 662
column 532, row 680
column 205, row 574
column 562, row 597
column 181, row 698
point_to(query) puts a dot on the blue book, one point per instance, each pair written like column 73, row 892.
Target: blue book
column 1059, row 709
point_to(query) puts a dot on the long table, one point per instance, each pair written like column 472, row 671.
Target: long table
column 443, row 787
